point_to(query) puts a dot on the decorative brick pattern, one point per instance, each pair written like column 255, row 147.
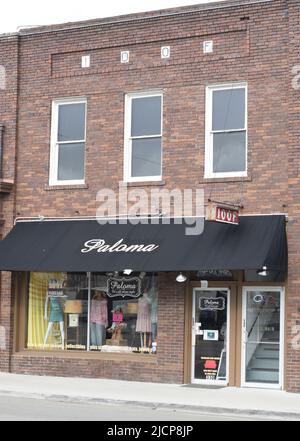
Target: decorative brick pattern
column 185, row 50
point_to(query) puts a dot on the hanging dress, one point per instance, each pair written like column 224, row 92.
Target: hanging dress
column 143, row 323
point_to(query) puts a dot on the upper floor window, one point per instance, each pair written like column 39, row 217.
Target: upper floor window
column 226, row 131
column 143, row 137
column 68, row 137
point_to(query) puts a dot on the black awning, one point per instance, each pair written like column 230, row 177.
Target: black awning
column 81, row 246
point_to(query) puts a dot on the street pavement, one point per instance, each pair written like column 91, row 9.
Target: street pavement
column 236, row 403
column 30, row 409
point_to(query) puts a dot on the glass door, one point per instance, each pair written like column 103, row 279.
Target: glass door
column 262, row 337
column 210, row 336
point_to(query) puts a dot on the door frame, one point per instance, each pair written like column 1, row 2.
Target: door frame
column 244, row 383
column 212, row 382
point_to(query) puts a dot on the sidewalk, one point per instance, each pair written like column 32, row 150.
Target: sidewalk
column 249, row 402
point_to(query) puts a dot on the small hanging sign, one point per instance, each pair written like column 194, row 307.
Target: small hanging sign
column 225, row 215
column 212, row 304
column 124, row 287
column 214, row 275
column 56, row 288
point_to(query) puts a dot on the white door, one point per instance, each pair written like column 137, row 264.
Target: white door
column 210, row 336
column 262, row 338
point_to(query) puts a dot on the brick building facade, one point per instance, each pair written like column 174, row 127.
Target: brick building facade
column 254, row 43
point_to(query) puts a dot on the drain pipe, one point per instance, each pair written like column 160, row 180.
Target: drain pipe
column 1, row 149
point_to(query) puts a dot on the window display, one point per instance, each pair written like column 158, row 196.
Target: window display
column 57, row 311
column 130, row 311
column 93, row 312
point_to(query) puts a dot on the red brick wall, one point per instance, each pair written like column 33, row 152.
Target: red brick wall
column 263, row 65
column 251, row 44
column 8, row 116
column 293, row 296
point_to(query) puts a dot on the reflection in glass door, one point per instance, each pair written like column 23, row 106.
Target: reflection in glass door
column 210, row 336
column 262, row 340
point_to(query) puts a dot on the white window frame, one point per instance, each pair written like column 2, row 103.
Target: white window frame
column 54, row 146
column 209, row 132
column 128, row 139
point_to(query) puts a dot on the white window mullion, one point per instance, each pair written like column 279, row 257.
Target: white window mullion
column 215, row 132
column 145, row 137
column 72, row 142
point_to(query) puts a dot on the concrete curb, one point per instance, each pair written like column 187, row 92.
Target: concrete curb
column 204, row 410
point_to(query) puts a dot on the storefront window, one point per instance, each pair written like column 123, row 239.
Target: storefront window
column 57, row 311
column 104, row 313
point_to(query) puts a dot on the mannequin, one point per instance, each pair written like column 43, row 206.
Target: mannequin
column 56, row 316
column 143, row 324
column 99, row 319
column 117, row 326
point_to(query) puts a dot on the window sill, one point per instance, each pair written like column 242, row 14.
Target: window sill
column 225, row 179
column 83, row 355
column 146, row 184
column 66, row 187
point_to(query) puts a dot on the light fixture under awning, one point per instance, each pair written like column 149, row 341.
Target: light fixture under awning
column 85, row 245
